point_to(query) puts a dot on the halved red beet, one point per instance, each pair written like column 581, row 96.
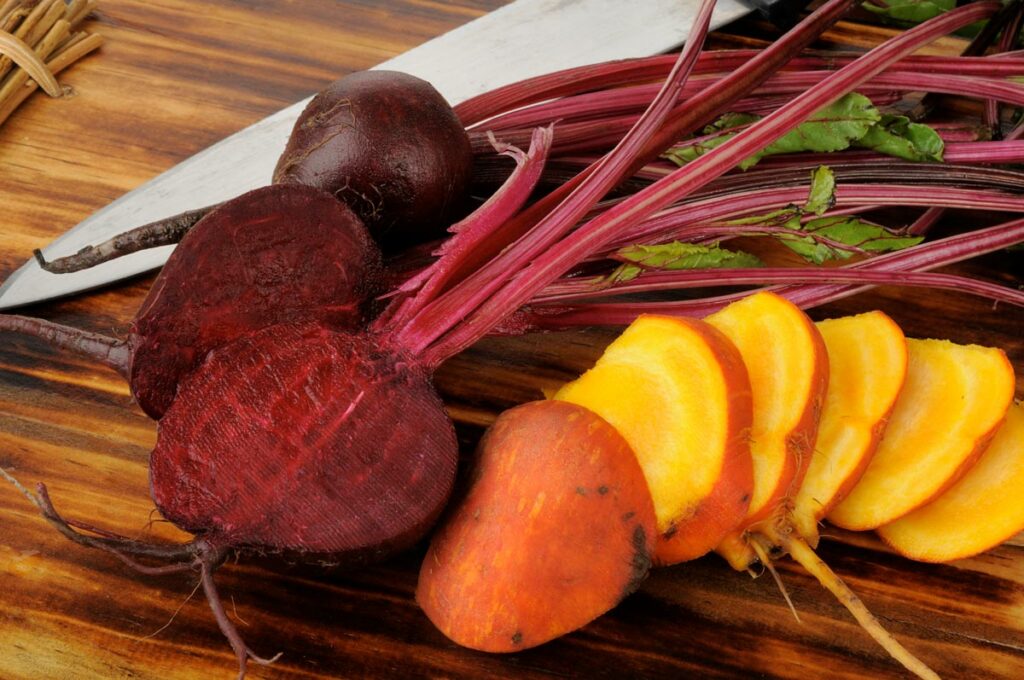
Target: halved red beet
column 277, row 254
column 280, row 441
column 388, row 145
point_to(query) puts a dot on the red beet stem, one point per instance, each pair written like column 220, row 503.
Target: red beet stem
column 610, row 170
column 705, row 278
column 542, row 258
column 699, row 219
column 473, row 231
column 918, row 258
column 492, row 267
column 610, row 108
column 108, row 351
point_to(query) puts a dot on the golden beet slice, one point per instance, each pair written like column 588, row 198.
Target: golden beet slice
column 555, row 530
column 954, row 398
column 977, row 513
column 788, row 368
column 867, row 360
column 678, row 392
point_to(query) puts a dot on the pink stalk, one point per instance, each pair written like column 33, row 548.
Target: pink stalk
column 592, row 77
column 610, row 169
column 614, row 104
column 475, row 229
column 923, row 224
column 678, row 221
column 1002, row 152
column 542, row 258
column 704, row 278
column 918, row 258
column 449, row 310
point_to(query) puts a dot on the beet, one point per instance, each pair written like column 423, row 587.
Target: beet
column 385, row 143
column 388, row 145
column 280, row 441
column 273, row 255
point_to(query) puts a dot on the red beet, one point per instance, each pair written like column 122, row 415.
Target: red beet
column 314, row 462
column 276, row 254
column 385, row 143
column 388, row 145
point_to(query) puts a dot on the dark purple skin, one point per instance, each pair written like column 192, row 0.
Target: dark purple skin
column 274, row 255
column 301, row 439
column 388, row 145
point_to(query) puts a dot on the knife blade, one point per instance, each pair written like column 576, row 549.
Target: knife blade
column 523, row 39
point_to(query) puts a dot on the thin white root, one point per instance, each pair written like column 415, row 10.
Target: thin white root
column 802, row 553
column 766, row 560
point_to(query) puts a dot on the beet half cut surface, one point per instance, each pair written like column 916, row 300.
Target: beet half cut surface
column 274, row 255
column 287, row 440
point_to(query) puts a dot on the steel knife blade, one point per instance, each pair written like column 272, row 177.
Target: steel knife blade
column 523, row 39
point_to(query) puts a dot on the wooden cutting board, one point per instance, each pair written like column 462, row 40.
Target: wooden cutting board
column 177, row 75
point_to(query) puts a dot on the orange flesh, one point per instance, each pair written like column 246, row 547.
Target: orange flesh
column 979, row 512
column 677, row 391
column 554, row 531
column 954, row 398
column 867, row 358
column 788, row 367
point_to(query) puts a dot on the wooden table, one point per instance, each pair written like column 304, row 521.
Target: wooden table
column 177, row 75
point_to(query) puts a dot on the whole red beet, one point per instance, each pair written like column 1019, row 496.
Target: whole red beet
column 388, row 145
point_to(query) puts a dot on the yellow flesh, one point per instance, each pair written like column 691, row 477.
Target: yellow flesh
column 775, row 341
column 979, row 512
column 867, row 358
column 662, row 388
column 953, row 397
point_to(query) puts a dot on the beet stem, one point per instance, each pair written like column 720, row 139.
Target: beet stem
column 543, row 259
column 609, row 171
column 108, row 351
column 165, row 232
column 449, row 310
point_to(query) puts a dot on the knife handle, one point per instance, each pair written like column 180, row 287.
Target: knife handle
column 783, row 13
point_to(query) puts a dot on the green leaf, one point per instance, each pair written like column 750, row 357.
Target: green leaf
column 678, row 255
column 823, row 190
column 832, row 128
column 829, row 129
column 910, row 12
column 897, row 136
column 847, row 230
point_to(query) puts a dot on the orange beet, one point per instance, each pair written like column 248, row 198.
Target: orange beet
column 678, row 391
column 555, row 530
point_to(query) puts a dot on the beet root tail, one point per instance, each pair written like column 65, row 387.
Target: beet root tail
column 227, row 627
column 165, row 232
column 108, row 351
column 198, row 554
column 802, row 553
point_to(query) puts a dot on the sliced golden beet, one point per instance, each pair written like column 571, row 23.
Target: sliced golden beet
column 977, row 513
column 954, row 398
column 677, row 390
column 554, row 531
column 788, row 367
column 867, row 359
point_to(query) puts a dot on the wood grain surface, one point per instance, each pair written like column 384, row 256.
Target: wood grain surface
column 177, row 75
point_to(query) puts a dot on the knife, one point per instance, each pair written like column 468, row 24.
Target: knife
column 523, row 39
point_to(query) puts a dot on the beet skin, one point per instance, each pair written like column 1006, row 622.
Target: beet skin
column 297, row 438
column 274, row 255
column 388, row 145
